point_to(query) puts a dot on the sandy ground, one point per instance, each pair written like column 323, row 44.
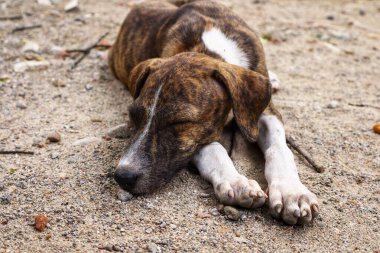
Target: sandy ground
column 323, row 51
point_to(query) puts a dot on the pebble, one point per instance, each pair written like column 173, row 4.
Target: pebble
column 124, row 196
column 40, row 222
column 21, row 105
column 2, row 186
column 54, row 155
column 30, row 65
column 376, row 128
column 58, row 83
column 5, row 199
column 214, row 211
column 108, row 247
column 30, row 47
column 148, row 230
column 87, row 141
column 54, row 137
column 44, row 2
column 71, row 6
column 330, row 17
column 153, row 248
column 204, row 195
column 116, row 248
column 232, row 213
column 119, row 132
column 332, row 104
column 88, row 87
column 341, row 35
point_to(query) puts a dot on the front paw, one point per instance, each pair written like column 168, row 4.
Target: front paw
column 290, row 200
column 241, row 192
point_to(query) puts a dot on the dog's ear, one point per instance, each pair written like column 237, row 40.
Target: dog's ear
column 250, row 93
column 140, row 74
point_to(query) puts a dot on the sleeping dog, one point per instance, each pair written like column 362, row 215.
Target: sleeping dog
column 187, row 65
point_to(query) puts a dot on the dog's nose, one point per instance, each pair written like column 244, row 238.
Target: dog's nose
column 126, row 179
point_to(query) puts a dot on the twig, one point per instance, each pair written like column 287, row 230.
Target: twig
column 23, row 28
column 10, row 17
column 290, row 141
column 12, row 152
column 86, row 50
column 363, row 105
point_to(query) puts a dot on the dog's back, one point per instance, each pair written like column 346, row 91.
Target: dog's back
column 161, row 29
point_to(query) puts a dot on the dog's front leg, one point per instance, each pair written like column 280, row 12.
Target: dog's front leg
column 289, row 199
column 230, row 187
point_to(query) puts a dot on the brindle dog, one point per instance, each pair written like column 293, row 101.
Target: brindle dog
column 187, row 66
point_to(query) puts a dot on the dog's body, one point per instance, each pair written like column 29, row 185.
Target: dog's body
column 187, row 67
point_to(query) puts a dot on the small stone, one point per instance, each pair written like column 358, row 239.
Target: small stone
column 44, row 2
column 202, row 214
column 332, row 104
column 119, row 132
column 124, row 196
column 204, row 195
column 54, row 155
column 21, row 105
column 58, row 83
column 30, row 47
column 341, row 35
column 88, row 87
column 54, row 137
column 148, row 230
column 232, row 213
column 153, row 248
column 87, row 141
column 40, row 222
column 116, row 248
column 361, row 12
column 108, row 247
column 5, row 199
column 220, row 208
column 2, row 186
column 72, row 5
column 214, row 211
column 330, row 17
column 376, row 128
column 30, row 65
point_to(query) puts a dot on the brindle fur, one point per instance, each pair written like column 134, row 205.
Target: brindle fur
column 161, row 43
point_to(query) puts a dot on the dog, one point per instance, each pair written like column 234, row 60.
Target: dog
column 187, row 65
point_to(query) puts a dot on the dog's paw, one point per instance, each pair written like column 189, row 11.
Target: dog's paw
column 241, row 192
column 291, row 201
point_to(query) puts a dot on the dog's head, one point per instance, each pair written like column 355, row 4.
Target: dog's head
column 182, row 103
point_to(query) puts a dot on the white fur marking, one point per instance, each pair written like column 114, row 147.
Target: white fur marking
column 216, row 41
column 132, row 150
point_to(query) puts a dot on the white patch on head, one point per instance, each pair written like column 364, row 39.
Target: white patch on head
column 217, row 42
column 133, row 148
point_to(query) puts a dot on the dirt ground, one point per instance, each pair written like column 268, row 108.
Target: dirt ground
column 326, row 54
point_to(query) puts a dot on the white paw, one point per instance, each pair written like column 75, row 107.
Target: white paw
column 241, row 192
column 291, row 201
column 275, row 81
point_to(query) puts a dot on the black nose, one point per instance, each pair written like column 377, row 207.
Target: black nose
column 126, row 179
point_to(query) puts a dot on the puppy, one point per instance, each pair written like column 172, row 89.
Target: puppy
column 187, row 66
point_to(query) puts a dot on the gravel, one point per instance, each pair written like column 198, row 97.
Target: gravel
column 81, row 201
